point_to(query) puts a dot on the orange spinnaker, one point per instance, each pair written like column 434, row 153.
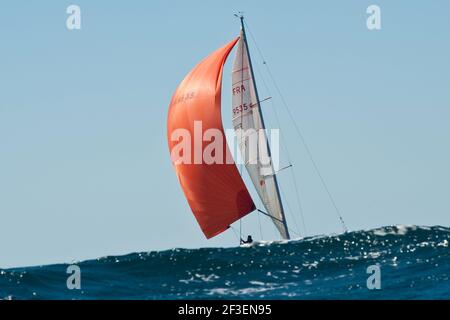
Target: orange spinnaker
column 215, row 192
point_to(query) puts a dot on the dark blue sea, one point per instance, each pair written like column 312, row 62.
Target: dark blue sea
column 414, row 263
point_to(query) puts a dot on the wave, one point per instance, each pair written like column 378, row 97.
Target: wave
column 414, row 263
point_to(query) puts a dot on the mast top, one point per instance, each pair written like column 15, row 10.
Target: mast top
column 240, row 16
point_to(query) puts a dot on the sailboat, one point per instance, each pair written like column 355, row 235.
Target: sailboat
column 216, row 192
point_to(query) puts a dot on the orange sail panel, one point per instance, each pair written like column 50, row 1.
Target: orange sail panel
column 215, row 191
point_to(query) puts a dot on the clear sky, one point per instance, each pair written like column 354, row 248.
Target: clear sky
column 84, row 163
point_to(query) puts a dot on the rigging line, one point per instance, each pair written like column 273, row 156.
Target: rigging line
column 240, row 229
column 292, row 171
column 272, row 217
column 275, row 229
column 308, row 151
column 259, row 117
column 242, row 141
column 260, row 229
column 294, row 232
column 235, row 233
column 283, row 168
column 259, row 218
column 293, row 216
column 316, row 168
column 284, row 144
column 291, row 213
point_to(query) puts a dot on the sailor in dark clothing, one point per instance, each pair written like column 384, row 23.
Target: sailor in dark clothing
column 249, row 240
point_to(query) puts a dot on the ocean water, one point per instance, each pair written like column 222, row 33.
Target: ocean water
column 414, row 263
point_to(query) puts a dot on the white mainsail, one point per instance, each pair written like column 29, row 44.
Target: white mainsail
column 251, row 138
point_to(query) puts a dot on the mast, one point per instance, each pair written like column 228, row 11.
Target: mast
column 241, row 18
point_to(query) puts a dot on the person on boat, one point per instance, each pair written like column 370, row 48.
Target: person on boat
column 248, row 241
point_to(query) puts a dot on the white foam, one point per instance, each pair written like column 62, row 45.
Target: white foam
column 444, row 243
column 399, row 230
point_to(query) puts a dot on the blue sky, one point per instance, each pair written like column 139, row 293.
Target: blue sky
column 84, row 164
